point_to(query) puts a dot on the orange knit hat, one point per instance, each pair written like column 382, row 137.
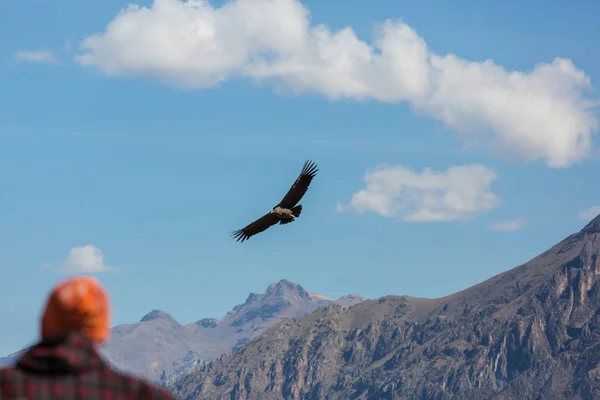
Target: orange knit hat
column 78, row 304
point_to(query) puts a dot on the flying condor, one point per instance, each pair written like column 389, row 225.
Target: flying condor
column 288, row 208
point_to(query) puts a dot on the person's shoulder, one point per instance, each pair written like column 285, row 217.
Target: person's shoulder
column 144, row 389
column 9, row 378
column 7, row 371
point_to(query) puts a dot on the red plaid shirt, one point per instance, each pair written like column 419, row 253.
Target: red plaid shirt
column 70, row 368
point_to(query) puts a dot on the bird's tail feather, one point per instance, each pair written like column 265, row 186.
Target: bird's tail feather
column 297, row 210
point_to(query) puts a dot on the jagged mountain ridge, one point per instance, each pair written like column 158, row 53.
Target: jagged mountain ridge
column 281, row 300
column 532, row 332
column 160, row 348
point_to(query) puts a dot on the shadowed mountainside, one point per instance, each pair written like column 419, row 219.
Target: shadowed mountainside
column 532, row 332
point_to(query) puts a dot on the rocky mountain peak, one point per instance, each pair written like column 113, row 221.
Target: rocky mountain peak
column 279, row 290
column 592, row 227
column 285, row 287
column 349, row 300
column 280, row 298
column 252, row 298
column 155, row 314
column 352, row 297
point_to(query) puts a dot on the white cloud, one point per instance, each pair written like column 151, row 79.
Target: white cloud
column 39, row 56
column 537, row 114
column 590, row 213
column 85, row 259
column 508, row 226
column 458, row 193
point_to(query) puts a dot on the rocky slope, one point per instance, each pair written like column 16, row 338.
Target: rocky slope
column 213, row 338
column 281, row 300
column 532, row 332
column 160, row 348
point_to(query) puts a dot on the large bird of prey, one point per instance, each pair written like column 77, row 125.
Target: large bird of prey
column 288, row 208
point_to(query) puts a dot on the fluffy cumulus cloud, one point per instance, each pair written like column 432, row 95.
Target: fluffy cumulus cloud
column 458, row 193
column 590, row 213
column 540, row 114
column 37, row 56
column 85, row 259
column 508, row 226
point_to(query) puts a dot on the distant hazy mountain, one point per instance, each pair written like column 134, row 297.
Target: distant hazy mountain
column 532, row 332
column 159, row 348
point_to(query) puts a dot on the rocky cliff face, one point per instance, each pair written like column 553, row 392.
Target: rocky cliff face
column 532, row 332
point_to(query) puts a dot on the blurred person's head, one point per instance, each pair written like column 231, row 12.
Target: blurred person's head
column 78, row 304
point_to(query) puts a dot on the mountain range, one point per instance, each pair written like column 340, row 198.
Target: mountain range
column 160, row 349
column 532, row 332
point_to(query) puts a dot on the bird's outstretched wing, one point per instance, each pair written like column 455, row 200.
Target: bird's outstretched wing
column 255, row 227
column 299, row 188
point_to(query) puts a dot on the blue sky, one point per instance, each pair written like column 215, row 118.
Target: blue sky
column 169, row 134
